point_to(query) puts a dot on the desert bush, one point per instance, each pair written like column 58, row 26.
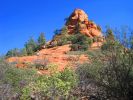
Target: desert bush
column 3, row 68
column 29, row 65
column 75, row 47
column 90, row 71
column 18, row 77
column 111, row 69
column 12, row 80
column 53, row 68
column 80, row 42
column 88, row 86
column 76, row 52
column 53, row 44
column 117, row 75
column 54, row 86
column 73, row 58
column 61, row 36
column 62, row 41
column 41, row 64
column 111, row 45
column 99, row 28
column 109, row 34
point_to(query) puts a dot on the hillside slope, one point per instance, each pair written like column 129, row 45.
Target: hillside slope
column 56, row 55
column 78, row 22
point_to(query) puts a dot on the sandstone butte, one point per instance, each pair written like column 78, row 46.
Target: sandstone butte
column 79, row 19
column 58, row 55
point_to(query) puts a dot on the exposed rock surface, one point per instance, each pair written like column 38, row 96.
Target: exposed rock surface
column 55, row 55
column 78, row 20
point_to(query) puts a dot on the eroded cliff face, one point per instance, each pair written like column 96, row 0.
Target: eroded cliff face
column 78, row 21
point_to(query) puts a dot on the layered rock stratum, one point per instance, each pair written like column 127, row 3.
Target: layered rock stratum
column 78, row 20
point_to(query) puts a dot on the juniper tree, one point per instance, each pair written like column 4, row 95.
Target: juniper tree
column 31, row 46
column 41, row 40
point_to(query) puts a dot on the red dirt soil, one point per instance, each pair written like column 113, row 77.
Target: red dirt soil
column 56, row 55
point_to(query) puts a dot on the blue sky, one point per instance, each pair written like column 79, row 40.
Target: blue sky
column 21, row 19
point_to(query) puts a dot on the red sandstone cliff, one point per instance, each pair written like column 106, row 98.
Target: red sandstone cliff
column 78, row 20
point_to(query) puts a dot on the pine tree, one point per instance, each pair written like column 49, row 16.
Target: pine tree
column 24, row 52
column 31, row 46
column 41, row 40
column 64, row 30
column 9, row 53
column 13, row 53
column 16, row 52
column 109, row 34
column 80, row 42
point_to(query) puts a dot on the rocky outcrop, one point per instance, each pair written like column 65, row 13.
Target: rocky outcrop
column 78, row 21
column 59, row 55
column 55, row 55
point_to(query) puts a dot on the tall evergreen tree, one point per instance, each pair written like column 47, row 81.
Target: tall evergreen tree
column 13, row 53
column 41, row 40
column 64, row 30
column 9, row 53
column 109, row 34
column 31, row 46
column 24, row 52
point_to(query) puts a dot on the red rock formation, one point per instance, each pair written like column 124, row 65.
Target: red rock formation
column 55, row 55
column 79, row 21
column 58, row 55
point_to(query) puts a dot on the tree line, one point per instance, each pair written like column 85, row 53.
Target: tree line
column 30, row 47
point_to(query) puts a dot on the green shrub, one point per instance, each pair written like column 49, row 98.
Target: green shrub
column 76, row 52
column 41, row 64
column 99, row 28
column 62, row 41
column 41, row 41
column 24, row 52
column 117, row 75
column 54, row 86
column 109, row 34
column 61, row 36
column 90, row 70
column 64, row 30
column 31, row 46
column 53, row 44
column 112, row 69
column 88, row 86
column 3, row 68
column 75, row 47
column 13, row 80
column 80, row 42
column 15, row 76
column 13, row 53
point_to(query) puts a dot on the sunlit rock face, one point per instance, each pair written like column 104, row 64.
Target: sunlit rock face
column 78, row 20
